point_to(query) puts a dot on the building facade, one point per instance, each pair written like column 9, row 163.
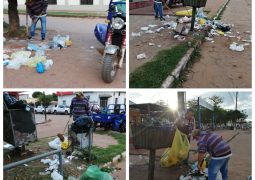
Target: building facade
column 70, row 5
column 103, row 99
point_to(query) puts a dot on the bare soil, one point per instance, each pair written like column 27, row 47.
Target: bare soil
column 220, row 67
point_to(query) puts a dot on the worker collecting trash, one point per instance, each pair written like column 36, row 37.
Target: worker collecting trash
column 219, row 150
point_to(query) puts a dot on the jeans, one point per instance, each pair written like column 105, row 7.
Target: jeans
column 218, row 165
column 43, row 27
column 158, row 9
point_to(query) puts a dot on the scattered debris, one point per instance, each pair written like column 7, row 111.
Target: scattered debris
column 92, row 47
column 56, row 176
column 235, row 47
column 144, row 28
column 141, row 56
column 152, row 25
column 149, row 32
column 82, row 167
column 184, row 19
column 159, row 29
column 208, row 39
column 151, row 44
column 136, row 34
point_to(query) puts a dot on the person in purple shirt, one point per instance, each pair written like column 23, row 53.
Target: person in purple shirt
column 79, row 106
column 219, row 150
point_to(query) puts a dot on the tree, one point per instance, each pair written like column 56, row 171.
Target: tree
column 13, row 17
column 54, row 97
column 37, row 94
column 216, row 100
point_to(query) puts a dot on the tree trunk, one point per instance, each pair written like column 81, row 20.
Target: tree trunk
column 13, row 17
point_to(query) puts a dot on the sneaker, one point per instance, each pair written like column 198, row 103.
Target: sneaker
column 162, row 19
column 43, row 39
column 30, row 38
column 156, row 17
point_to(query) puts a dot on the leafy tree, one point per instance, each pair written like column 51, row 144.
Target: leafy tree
column 54, row 97
column 37, row 94
column 216, row 100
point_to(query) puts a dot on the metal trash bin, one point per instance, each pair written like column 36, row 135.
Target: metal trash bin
column 152, row 137
column 81, row 137
column 19, row 126
column 194, row 3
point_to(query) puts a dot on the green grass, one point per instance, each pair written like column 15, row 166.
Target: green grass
column 99, row 156
column 152, row 74
column 218, row 16
column 104, row 155
column 68, row 14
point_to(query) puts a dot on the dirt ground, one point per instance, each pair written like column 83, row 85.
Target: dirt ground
column 219, row 67
column 139, row 45
column 143, row 17
column 239, row 165
column 78, row 66
column 121, row 173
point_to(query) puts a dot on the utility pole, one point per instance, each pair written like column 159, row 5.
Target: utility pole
column 181, row 101
column 236, row 109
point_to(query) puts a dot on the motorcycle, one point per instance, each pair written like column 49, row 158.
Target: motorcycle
column 113, row 36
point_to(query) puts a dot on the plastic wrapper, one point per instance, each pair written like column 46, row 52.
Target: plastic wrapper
column 32, row 62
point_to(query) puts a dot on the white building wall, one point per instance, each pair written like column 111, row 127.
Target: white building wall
column 94, row 97
column 67, row 2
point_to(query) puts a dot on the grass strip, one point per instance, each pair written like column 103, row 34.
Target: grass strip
column 152, row 74
column 104, row 155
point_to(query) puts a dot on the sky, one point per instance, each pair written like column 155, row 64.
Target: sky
column 152, row 96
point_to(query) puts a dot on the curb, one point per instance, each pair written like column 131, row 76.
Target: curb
column 221, row 10
column 115, row 160
column 175, row 74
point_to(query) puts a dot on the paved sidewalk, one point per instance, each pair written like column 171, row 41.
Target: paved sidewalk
column 219, row 67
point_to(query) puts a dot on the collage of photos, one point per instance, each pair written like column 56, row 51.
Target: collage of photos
column 179, row 72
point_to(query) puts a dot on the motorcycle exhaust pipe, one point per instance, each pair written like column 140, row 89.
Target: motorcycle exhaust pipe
column 123, row 50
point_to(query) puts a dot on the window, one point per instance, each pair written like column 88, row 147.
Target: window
column 52, row 1
column 64, row 102
column 86, row 2
column 103, row 102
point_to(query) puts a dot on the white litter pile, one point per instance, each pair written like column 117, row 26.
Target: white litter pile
column 180, row 28
column 53, row 168
column 23, row 57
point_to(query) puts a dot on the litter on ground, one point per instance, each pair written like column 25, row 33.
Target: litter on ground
column 235, row 47
column 141, row 56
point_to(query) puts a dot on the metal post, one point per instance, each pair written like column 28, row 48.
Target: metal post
column 60, row 167
column 151, row 164
column 24, row 161
column 194, row 11
column 90, row 131
column 199, row 114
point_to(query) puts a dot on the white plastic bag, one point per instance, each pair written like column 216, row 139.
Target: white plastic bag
column 55, row 144
column 48, row 64
column 56, row 176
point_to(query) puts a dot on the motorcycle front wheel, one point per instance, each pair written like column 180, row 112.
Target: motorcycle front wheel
column 110, row 67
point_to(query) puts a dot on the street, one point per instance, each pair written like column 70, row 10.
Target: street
column 219, row 67
column 239, row 165
column 78, row 66
column 56, row 124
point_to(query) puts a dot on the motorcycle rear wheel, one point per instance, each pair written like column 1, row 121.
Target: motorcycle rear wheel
column 110, row 67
